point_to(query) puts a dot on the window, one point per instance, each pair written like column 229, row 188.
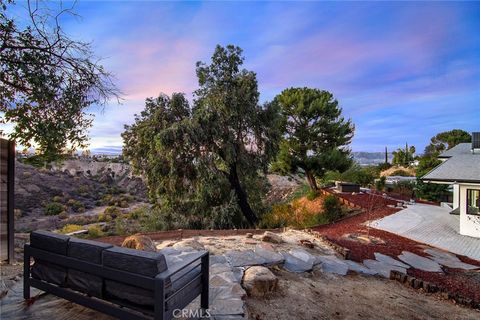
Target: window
column 473, row 201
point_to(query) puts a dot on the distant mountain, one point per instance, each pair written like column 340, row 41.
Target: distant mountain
column 367, row 158
column 107, row 150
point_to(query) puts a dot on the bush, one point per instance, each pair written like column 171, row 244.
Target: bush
column 332, row 209
column 138, row 213
column 77, row 206
column 53, row 209
column 289, row 215
column 404, row 188
column 104, row 217
column 57, row 199
column 113, row 211
column 401, row 173
column 69, row 228
column 380, row 184
column 95, row 232
column 312, row 195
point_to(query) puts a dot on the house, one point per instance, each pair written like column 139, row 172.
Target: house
column 460, row 168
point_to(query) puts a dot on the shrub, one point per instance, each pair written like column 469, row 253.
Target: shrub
column 69, row 228
column 312, row 194
column 63, row 215
column 57, row 199
column 104, row 217
column 77, row 206
column 123, row 204
column 95, row 232
column 332, row 209
column 138, row 213
column 83, row 190
column 401, row 173
column 404, row 188
column 53, row 209
column 113, row 211
column 380, row 184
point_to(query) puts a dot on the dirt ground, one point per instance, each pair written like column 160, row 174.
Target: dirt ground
column 325, row 296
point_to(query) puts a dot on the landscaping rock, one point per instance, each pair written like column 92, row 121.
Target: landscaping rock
column 448, row 259
column 244, row 258
column 139, row 242
column 390, row 261
column 383, row 268
column 272, row 237
column 332, row 264
column 359, row 268
column 259, row 281
column 267, row 252
column 249, row 235
column 189, row 243
column 295, row 264
column 419, row 262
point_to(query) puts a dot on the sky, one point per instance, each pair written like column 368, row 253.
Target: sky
column 402, row 71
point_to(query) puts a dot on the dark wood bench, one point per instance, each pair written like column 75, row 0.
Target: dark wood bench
column 123, row 283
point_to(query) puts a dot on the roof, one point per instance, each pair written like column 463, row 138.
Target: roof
column 461, row 148
column 461, row 166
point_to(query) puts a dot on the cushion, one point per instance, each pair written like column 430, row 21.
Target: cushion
column 139, row 262
column 90, row 251
column 49, row 241
column 55, row 243
column 128, row 294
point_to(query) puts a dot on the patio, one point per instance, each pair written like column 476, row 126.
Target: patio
column 431, row 225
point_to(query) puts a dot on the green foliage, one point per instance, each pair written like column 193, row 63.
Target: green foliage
column 315, row 134
column 405, row 188
column 403, row 156
column 332, row 209
column 48, row 80
column 380, row 183
column 312, row 194
column 426, row 164
column 95, row 232
column 77, row 206
column 69, row 228
column 384, row 166
column 446, row 140
column 432, row 191
column 200, row 161
column 401, row 173
column 364, row 176
column 53, row 209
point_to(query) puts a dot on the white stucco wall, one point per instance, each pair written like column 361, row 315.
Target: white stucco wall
column 469, row 224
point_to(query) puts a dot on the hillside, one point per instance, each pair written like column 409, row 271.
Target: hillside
column 78, row 186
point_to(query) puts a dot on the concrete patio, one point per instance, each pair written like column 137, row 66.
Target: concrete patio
column 431, row 225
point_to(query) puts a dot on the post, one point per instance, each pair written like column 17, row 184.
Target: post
column 205, row 281
column 26, row 272
column 159, row 307
column 11, row 201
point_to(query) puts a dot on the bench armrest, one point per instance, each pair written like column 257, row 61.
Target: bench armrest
column 181, row 265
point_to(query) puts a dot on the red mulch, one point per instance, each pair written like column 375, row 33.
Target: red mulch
column 457, row 281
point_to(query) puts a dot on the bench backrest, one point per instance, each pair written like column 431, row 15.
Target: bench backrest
column 146, row 264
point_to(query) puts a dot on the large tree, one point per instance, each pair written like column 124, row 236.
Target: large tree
column 210, row 159
column 47, row 79
column 446, row 140
column 315, row 134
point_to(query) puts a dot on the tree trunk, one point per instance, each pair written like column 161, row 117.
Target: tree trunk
column 242, row 199
column 311, row 180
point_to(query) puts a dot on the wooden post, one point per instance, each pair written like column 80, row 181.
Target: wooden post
column 7, row 204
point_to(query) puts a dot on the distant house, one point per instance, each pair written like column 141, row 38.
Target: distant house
column 461, row 169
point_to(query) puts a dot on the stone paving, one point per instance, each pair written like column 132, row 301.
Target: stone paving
column 227, row 267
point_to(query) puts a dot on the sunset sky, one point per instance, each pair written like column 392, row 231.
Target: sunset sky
column 402, row 71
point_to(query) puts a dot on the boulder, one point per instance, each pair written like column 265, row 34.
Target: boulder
column 189, row 243
column 259, row 281
column 139, row 242
column 272, row 237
